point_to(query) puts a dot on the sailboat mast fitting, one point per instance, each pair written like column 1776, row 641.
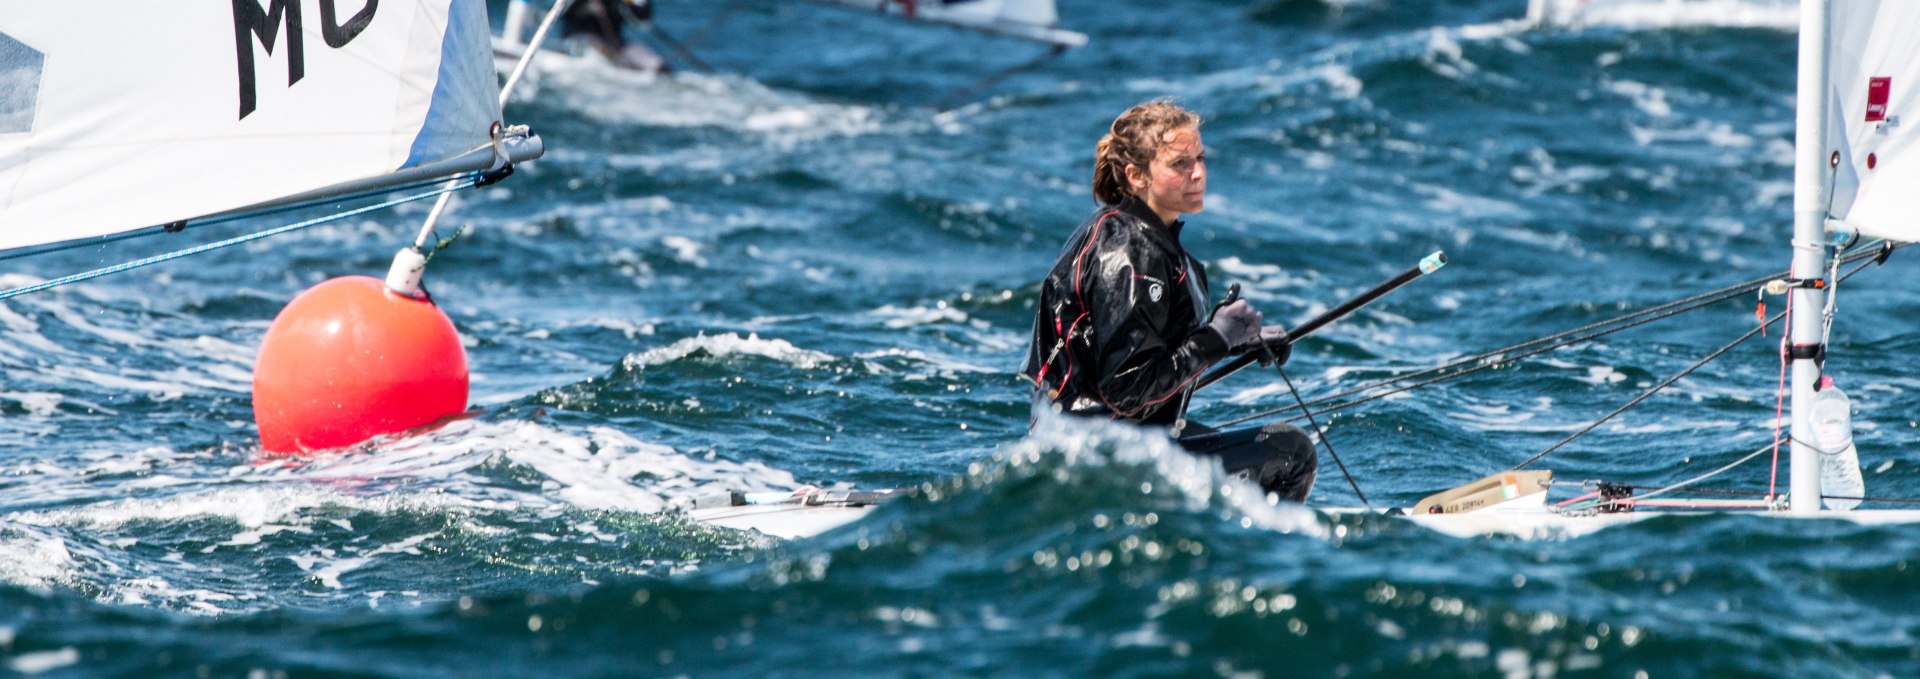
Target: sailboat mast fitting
column 410, row 263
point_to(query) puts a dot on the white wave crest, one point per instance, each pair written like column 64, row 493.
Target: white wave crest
column 1200, row 482
column 731, row 344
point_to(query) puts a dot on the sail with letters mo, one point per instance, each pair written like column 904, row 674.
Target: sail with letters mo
column 124, row 118
column 127, row 119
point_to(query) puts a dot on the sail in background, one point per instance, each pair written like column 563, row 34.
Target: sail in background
column 1874, row 73
column 122, row 115
column 1028, row 19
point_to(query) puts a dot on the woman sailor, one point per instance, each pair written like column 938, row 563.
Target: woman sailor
column 1123, row 330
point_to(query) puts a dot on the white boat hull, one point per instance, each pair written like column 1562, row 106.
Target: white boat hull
column 1548, row 525
column 789, row 521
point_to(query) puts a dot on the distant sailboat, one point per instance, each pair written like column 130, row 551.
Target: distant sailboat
column 1031, row 20
column 1036, row 20
column 1658, row 13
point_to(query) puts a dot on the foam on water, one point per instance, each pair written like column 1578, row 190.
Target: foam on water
column 617, row 96
column 1197, row 482
column 730, row 344
column 939, row 314
column 940, row 364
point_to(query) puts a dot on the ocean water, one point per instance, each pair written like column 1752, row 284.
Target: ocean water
column 793, row 272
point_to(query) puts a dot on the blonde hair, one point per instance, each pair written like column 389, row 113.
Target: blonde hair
column 1134, row 139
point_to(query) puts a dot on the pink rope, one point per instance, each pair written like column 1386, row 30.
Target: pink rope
column 1780, row 396
column 1577, row 499
column 1684, row 503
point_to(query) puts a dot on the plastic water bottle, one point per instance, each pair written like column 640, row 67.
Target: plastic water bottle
column 1833, row 437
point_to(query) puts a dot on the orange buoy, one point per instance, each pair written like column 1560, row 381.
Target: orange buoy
column 349, row 360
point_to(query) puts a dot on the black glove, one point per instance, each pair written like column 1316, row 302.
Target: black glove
column 1238, row 323
column 1275, row 337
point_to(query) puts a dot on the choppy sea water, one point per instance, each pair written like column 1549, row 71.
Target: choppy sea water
column 793, row 273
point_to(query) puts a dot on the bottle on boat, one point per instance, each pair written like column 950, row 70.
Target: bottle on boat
column 1840, row 483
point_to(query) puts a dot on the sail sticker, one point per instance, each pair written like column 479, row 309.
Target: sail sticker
column 1877, row 90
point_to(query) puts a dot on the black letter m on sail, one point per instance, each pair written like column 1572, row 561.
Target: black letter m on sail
column 249, row 21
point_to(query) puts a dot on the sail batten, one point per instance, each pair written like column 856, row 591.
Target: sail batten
column 203, row 108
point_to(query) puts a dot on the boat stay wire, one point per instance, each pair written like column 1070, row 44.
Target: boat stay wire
column 180, row 226
column 135, row 264
column 1322, row 433
column 1507, row 355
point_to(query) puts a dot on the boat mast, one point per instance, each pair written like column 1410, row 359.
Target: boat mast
column 1812, row 191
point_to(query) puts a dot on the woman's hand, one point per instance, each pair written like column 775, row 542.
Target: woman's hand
column 1238, row 323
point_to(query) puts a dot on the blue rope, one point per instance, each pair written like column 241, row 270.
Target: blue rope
column 129, row 266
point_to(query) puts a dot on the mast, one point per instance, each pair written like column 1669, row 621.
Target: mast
column 1811, row 195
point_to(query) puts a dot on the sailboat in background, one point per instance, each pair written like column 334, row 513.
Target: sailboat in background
column 120, row 120
column 1856, row 164
column 1649, row 13
column 1030, row 20
column 1036, row 20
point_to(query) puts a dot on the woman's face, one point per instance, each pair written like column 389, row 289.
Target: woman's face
column 1175, row 183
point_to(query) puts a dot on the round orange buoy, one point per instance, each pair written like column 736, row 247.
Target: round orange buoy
column 349, row 360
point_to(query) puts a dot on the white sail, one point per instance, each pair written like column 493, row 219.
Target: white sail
column 1874, row 76
column 117, row 115
column 1029, row 19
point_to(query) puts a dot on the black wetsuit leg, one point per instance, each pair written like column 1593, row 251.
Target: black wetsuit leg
column 1280, row 457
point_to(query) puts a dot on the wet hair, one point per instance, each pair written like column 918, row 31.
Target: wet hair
column 1134, row 139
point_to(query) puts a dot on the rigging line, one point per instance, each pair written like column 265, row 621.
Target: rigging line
column 499, row 130
column 1322, row 433
column 1728, row 492
column 1649, row 393
column 128, row 266
column 1863, row 251
column 678, row 48
column 1477, row 363
column 143, row 232
column 1663, row 384
column 1708, row 475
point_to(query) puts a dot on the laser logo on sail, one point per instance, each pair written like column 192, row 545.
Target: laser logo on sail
column 250, row 21
column 1877, row 91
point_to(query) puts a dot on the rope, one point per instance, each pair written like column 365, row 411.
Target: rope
column 1505, row 355
column 128, row 266
column 1649, row 393
column 1703, row 477
column 1322, row 433
column 1753, row 493
column 31, row 251
column 1479, row 362
column 1775, row 446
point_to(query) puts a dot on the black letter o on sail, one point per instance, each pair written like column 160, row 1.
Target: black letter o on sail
column 338, row 35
